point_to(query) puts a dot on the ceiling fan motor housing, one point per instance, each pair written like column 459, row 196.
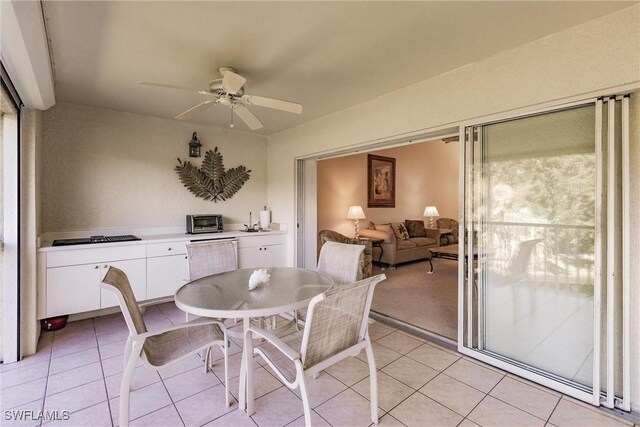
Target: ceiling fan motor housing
column 215, row 88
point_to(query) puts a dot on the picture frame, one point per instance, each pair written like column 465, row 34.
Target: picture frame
column 381, row 181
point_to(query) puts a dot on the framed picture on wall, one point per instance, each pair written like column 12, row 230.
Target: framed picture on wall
column 381, row 182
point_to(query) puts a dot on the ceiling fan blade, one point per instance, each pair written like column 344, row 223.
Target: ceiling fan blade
column 232, row 82
column 247, row 117
column 200, row 107
column 276, row 104
column 168, row 86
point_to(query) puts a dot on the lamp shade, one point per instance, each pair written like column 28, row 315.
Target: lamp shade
column 431, row 211
column 355, row 212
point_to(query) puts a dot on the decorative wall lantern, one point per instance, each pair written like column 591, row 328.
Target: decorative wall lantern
column 194, row 146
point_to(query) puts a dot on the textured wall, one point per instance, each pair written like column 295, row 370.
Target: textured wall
column 107, row 169
column 426, row 174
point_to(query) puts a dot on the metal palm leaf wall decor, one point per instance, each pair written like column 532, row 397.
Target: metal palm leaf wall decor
column 212, row 181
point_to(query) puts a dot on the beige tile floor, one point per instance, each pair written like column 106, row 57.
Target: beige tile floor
column 78, row 369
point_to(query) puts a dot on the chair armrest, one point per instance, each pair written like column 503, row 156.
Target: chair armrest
column 275, row 340
column 198, row 322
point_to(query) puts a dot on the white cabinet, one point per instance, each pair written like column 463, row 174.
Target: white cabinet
column 69, row 278
column 136, row 271
column 73, row 278
column 262, row 251
column 75, row 288
column 72, row 289
column 167, row 268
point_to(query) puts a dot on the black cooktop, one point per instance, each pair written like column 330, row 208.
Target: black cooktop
column 95, row 239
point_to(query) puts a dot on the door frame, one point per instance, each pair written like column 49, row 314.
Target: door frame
column 596, row 396
column 11, row 334
column 304, row 188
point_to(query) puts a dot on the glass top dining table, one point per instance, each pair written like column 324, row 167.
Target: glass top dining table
column 227, row 295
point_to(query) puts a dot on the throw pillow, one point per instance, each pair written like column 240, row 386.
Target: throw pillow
column 399, row 230
column 415, row 228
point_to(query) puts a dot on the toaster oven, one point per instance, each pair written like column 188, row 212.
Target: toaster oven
column 204, row 224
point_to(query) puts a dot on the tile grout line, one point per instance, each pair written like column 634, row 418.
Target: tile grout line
column 104, row 381
column 173, row 403
column 554, row 410
column 46, row 384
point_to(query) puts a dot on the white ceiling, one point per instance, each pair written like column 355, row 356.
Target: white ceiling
column 326, row 56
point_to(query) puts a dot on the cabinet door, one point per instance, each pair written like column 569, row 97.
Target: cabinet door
column 73, row 289
column 136, row 271
column 262, row 257
column 274, row 256
column 166, row 274
column 250, row 257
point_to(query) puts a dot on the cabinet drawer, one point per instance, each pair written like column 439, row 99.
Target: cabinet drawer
column 165, row 249
column 263, row 240
column 91, row 255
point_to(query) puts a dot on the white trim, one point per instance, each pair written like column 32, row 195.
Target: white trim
column 598, row 277
column 462, row 156
column 479, row 185
column 11, row 350
column 611, row 250
column 25, row 53
column 626, row 262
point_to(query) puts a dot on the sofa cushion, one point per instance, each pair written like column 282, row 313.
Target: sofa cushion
column 376, row 234
column 406, row 244
column 400, row 230
column 415, row 228
column 423, row 241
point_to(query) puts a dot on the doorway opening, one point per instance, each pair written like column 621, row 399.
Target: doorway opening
column 426, row 174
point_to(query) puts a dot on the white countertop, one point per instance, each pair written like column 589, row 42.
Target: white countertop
column 156, row 238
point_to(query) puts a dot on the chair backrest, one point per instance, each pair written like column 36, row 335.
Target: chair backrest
column 209, row 258
column 340, row 261
column 448, row 223
column 518, row 265
column 116, row 281
column 337, row 320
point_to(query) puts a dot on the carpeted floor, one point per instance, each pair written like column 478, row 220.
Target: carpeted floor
column 428, row 301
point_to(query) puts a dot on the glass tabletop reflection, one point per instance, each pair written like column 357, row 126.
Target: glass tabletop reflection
column 227, row 294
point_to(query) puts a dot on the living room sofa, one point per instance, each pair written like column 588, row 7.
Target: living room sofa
column 398, row 247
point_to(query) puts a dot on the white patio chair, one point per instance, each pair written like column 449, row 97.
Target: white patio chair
column 207, row 258
column 336, row 328
column 161, row 348
column 212, row 257
column 341, row 262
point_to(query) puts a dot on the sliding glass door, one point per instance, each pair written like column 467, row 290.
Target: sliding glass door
column 539, row 224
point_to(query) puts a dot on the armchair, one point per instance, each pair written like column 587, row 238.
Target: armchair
column 336, row 329
column 162, row 348
column 365, row 268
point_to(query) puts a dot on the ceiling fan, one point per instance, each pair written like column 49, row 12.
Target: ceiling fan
column 229, row 91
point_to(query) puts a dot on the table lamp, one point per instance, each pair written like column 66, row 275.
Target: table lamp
column 430, row 212
column 356, row 213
